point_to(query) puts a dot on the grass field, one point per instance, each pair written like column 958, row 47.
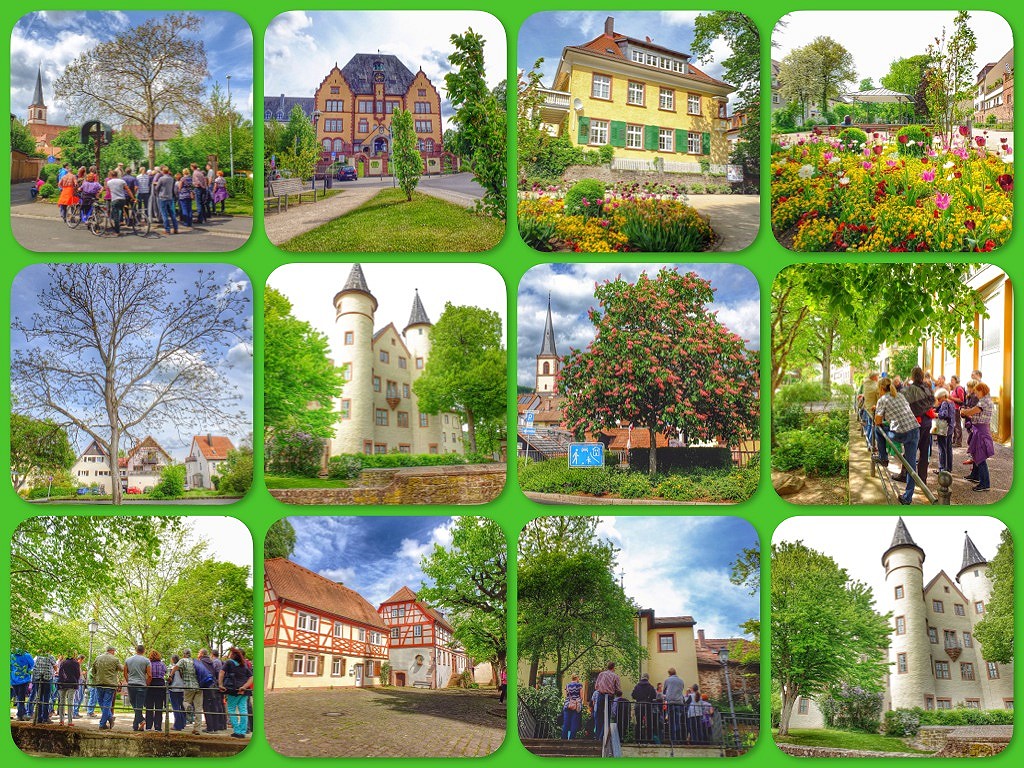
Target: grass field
column 387, row 223
column 825, row 737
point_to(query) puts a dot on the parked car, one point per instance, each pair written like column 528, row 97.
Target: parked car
column 133, row 491
column 82, row 491
column 96, row 491
column 346, row 173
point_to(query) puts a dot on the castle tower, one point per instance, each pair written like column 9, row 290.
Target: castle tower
column 547, row 359
column 417, row 338
column 910, row 676
column 354, row 307
column 37, row 109
column 977, row 588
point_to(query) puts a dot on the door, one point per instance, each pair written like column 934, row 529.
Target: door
column 359, row 675
column 400, row 679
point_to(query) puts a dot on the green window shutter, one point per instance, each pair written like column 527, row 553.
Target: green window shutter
column 705, row 143
column 681, row 137
column 651, row 137
column 583, row 137
column 618, row 134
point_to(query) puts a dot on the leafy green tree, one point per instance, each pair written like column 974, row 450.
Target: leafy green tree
column 298, row 150
column 906, row 76
column 22, row 140
column 529, row 136
column 825, row 631
column 479, row 118
column 469, row 583
column 823, row 66
column 742, row 68
column 213, row 601
column 123, row 148
column 951, row 80
column 172, row 483
column 795, row 84
column 746, row 572
column 405, row 159
column 280, row 540
column 236, row 474
column 466, row 372
column 995, row 630
column 300, row 381
column 38, row 448
column 663, row 362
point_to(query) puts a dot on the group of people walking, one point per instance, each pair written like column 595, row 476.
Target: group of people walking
column 189, row 197
column 925, row 417
column 188, row 688
column 667, row 713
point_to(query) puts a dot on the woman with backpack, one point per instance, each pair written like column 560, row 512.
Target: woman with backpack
column 572, row 708
column 186, row 194
column 235, row 680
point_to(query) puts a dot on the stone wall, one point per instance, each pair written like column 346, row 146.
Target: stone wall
column 964, row 740
column 800, row 751
column 83, row 742
column 603, row 173
column 459, row 484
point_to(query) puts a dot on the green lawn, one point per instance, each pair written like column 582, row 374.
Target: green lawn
column 283, row 481
column 389, row 224
column 824, row 737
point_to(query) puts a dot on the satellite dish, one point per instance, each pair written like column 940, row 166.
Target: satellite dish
column 577, row 104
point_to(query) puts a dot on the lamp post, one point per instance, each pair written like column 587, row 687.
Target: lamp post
column 723, row 657
column 231, row 143
column 316, row 120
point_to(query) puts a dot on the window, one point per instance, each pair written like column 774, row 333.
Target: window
column 334, row 105
column 337, row 629
column 899, row 592
column 446, row 418
column 417, row 630
column 333, row 126
column 364, row 125
column 979, row 608
column 303, row 664
column 949, row 639
column 722, row 109
column 601, row 87
column 968, row 640
column 966, row 670
column 666, row 99
column 308, row 621
column 635, row 93
column 368, row 447
column 972, row 703
column 432, row 449
column 346, row 409
column 404, row 447
column 335, row 89
column 337, row 666
column 958, row 609
column 403, row 418
column 634, row 137
column 424, row 420
column 993, row 670
column 402, row 363
column 667, row 643
column 666, row 140
column 360, row 634
column 599, row 132
column 364, row 106
column 394, row 633
column 405, row 391
column 376, row 383
column 421, row 108
column 937, row 606
column 693, row 103
column 901, row 663
column 933, row 635
column 775, row 98
column 901, row 625
column 421, row 92
column 693, row 144
column 1008, row 704
column 385, row 356
column 929, row 703
column 942, row 670
column 424, row 126
column 381, row 417
column 943, row 703
column 391, row 106
column 392, row 390
column 350, row 338
column 419, row 363
column 803, row 705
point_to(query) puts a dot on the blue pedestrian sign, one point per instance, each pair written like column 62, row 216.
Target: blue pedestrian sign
column 584, row 455
column 528, row 426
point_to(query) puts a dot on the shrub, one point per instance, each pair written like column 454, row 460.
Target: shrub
column 902, row 722
column 632, row 485
column 991, row 119
column 852, row 708
column 48, row 190
column 799, row 392
column 711, row 485
column 915, row 134
column 545, row 704
column 236, row 476
column 787, row 418
column 239, row 186
column 962, row 715
column 53, row 491
column 172, row 483
column 853, row 138
column 584, row 198
column 816, row 452
column 664, row 226
column 345, row 467
column 537, row 232
column 384, row 678
column 477, row 458
column 294, row 453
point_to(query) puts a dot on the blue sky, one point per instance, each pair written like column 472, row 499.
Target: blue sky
column 737, row 301
column 375, row 556
column 546, row 34
column 232, row 358
column 53, row 39
column 680, row 566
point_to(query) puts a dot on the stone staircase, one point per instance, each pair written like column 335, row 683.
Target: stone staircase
column 563, row 748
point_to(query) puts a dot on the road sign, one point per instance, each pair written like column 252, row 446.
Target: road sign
column 528, row 426
column 586, row 455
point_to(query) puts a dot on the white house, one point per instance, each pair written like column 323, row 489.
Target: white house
column 140, row 468
column 204, row 460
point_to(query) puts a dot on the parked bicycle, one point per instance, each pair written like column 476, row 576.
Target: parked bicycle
column 102, row 221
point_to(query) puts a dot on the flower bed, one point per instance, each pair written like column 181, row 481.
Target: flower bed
column 626, row 220
column 895, row 195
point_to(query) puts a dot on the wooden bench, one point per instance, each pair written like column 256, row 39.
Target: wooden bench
column 282, row 189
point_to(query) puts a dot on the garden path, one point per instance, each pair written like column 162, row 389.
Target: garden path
column 735, row 218
column 298, row 219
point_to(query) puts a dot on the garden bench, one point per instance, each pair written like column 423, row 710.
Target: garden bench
column 282, row 189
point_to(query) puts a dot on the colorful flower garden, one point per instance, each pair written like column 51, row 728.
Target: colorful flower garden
column 589, row 217
column 909, row 192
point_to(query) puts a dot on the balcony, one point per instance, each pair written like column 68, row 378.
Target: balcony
column 555, row 106
column 953, row 647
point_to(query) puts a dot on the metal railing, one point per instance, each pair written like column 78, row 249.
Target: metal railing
column 895, row 449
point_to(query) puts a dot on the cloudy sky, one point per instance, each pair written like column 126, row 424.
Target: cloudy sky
column 53, row 39
column 857, row 543
column 228, row 538
column 301, row 47
column 572, row 295
column 546, row 34
column 311, row 289
column 233, row 364
column 375, row 556
column 877, row 38
column 680, row 566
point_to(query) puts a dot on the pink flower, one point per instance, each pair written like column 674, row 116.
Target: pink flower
column 942, row 201
column 928, row 175
column 827, row 156
column 979, row 140
column 866, row 165
column 891, row 163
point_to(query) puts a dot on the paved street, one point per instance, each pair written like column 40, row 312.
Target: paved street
column 384, row 722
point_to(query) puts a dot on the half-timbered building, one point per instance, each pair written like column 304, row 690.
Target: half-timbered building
column 316, row 632
column 421, row 651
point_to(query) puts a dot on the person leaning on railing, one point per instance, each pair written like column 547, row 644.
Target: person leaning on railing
column 234, row 681
column 893, row 408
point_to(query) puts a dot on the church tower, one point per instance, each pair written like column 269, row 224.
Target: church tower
column 354, row 307
column 547, row 360
column 417, row 338
column 37, row 109
column 910, row 676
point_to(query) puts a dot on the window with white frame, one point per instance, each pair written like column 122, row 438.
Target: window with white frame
column 666, row 142
column 601, row 87
column 666, row 98
column 635, row 93
column 693, row 142
column 360, row 634
column 308, row 621
column 634, row 137
column 337, row 629
column 693, row 103
column 599, row 132
column 336, row 666
column 417, row 630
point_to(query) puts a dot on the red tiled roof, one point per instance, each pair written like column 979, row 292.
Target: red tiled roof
column 405, row 595
column 605, row 44
column 639, row 439
column 149, row 442
column 46, row 131
column 707, row 648
column 300, row 585
column 214, row 447
column 161, row 131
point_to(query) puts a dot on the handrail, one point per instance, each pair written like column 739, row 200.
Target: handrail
column 897, row 450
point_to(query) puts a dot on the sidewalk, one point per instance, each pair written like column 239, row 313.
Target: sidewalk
column 735, row 218
column 299, row 219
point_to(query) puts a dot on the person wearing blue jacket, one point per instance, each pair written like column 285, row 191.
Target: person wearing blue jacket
column 21, row 675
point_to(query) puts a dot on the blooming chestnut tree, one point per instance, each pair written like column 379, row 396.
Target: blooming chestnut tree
column 662, row 361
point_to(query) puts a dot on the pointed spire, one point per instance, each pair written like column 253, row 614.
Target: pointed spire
column 418, row 316
column 37, row 97
column 901, row 536
column 356, row 281
column 972, row 556
column 547, row 345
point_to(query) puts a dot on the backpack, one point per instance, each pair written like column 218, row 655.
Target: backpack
column 203, row 674
column 235, row 675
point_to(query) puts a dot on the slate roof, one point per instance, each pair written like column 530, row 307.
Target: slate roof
column 284, row 104
column 358, row 73
column 547, row 344
column 37, row 96
column 972, row 556
column 901, row 538
column 418, row 316
column 214, row 447
column 300, row 585
column 356, row 280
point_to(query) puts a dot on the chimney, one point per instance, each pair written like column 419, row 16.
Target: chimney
column 209, row 439
column 700, row 636
column 609, row 26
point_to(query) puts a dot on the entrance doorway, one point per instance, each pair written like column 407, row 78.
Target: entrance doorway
column 400, row 679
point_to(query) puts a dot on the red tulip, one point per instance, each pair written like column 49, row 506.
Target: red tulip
column 979, row 140
column 904, row 138
column 969, row 224
column 878, row 149
column 1005, row 182
column 965, row 130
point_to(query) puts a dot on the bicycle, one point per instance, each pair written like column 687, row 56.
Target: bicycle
column 73, row 215
column 137, row 219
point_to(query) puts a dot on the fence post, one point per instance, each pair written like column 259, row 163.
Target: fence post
column 945, row 487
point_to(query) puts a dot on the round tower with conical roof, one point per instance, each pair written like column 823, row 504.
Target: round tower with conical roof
column 354, row 308
column 416, row 335
column 547, row 359
column 910, row 675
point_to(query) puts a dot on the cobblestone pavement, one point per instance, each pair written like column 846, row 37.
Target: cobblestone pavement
column 384, row 722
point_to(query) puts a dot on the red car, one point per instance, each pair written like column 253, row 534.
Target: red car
column 133, row 491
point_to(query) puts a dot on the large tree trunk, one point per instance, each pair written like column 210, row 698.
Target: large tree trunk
column 534, row 663
column 653, row 455
column 470, row 430
column 788, row 700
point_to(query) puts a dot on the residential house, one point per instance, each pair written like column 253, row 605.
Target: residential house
column 205, row 459
column 141, row 467
column 421, row 649
column 316, row 632
column 993, row 97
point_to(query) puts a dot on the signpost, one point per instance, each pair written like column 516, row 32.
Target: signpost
column 528, row 426
column 100, row 134
column 586, row 455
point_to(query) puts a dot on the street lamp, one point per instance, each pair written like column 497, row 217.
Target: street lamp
column 94, row 627
column 723, row 657
column 231, row 143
